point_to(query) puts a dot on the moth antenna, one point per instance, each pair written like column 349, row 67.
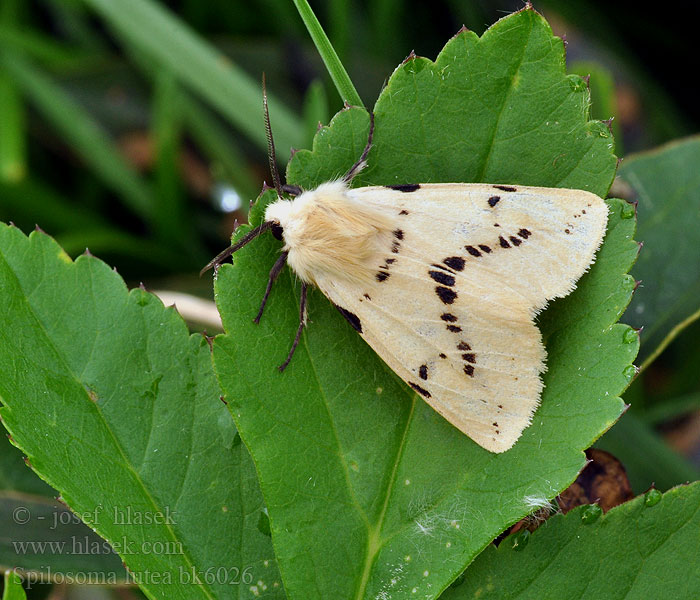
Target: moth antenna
column 222, row 256
column 302, row 324
column 274, row 273
column 270, row 143
column 362, row 161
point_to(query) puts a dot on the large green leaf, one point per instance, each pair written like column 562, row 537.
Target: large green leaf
column 117, row 407
column 370, row 492
column 666, row 183
column 645, row 548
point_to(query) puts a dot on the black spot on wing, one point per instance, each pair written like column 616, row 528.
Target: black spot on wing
column 485, row 248
column 445, row 294
column 515, row 241
column 454, row 328
column 463, row 346
column 469, row 357
column 455, row 262
column 493, row 200
column 503, row 242
column 405, row 187
column 506, row 188
column 473, row 251
column 382, row 276
column 423, row 392
column 441, row 277
column 403, row 212
column 449, row 317
column 423, row 372
column 443, row 355
column 351, row 318
column 469, row 370
column 524, row 233
column 398, row 234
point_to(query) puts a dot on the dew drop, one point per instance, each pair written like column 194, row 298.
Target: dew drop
column 630, row 336
column 627, row 211
column 590, row 514
column 652, row 497
column 520, row 539
column 630, row 372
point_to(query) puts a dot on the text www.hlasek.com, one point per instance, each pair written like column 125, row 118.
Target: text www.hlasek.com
column 87, row 545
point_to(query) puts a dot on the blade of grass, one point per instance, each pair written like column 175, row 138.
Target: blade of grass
column 13, row 153
column 672, row 335
column 338, row 12
column 672, row 409
column 315, row 110
column 13, row 160
column 168, row 43
column 165, row 131
column 59, row 57
column 82, row 132
column 22, row 202
column 385, row 16
column 112, row 242
column 336, row 70
column 219, row 147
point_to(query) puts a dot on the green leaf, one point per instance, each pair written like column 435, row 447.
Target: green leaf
column 645, row 548
column 666, row 183
column 117, row 407
column 370, row 492
column 13, row 587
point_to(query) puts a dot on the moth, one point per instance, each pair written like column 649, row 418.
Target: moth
column 442, row 280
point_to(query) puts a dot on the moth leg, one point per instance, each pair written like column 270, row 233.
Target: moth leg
column 274, row 273
column 222, row 256
column 302, row 324
column 362, row 162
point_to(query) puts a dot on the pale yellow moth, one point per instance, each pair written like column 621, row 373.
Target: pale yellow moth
column 443, row 281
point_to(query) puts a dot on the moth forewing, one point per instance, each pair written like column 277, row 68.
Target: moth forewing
column 443, row 282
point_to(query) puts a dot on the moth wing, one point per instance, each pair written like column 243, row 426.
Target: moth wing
column 452, row 305
column 534, row 242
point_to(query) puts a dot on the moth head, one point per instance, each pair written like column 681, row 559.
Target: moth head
column 278, row 214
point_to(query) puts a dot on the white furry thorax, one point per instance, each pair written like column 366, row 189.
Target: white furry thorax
column 328, row 233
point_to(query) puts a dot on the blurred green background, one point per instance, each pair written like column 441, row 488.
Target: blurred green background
column 134, row 128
